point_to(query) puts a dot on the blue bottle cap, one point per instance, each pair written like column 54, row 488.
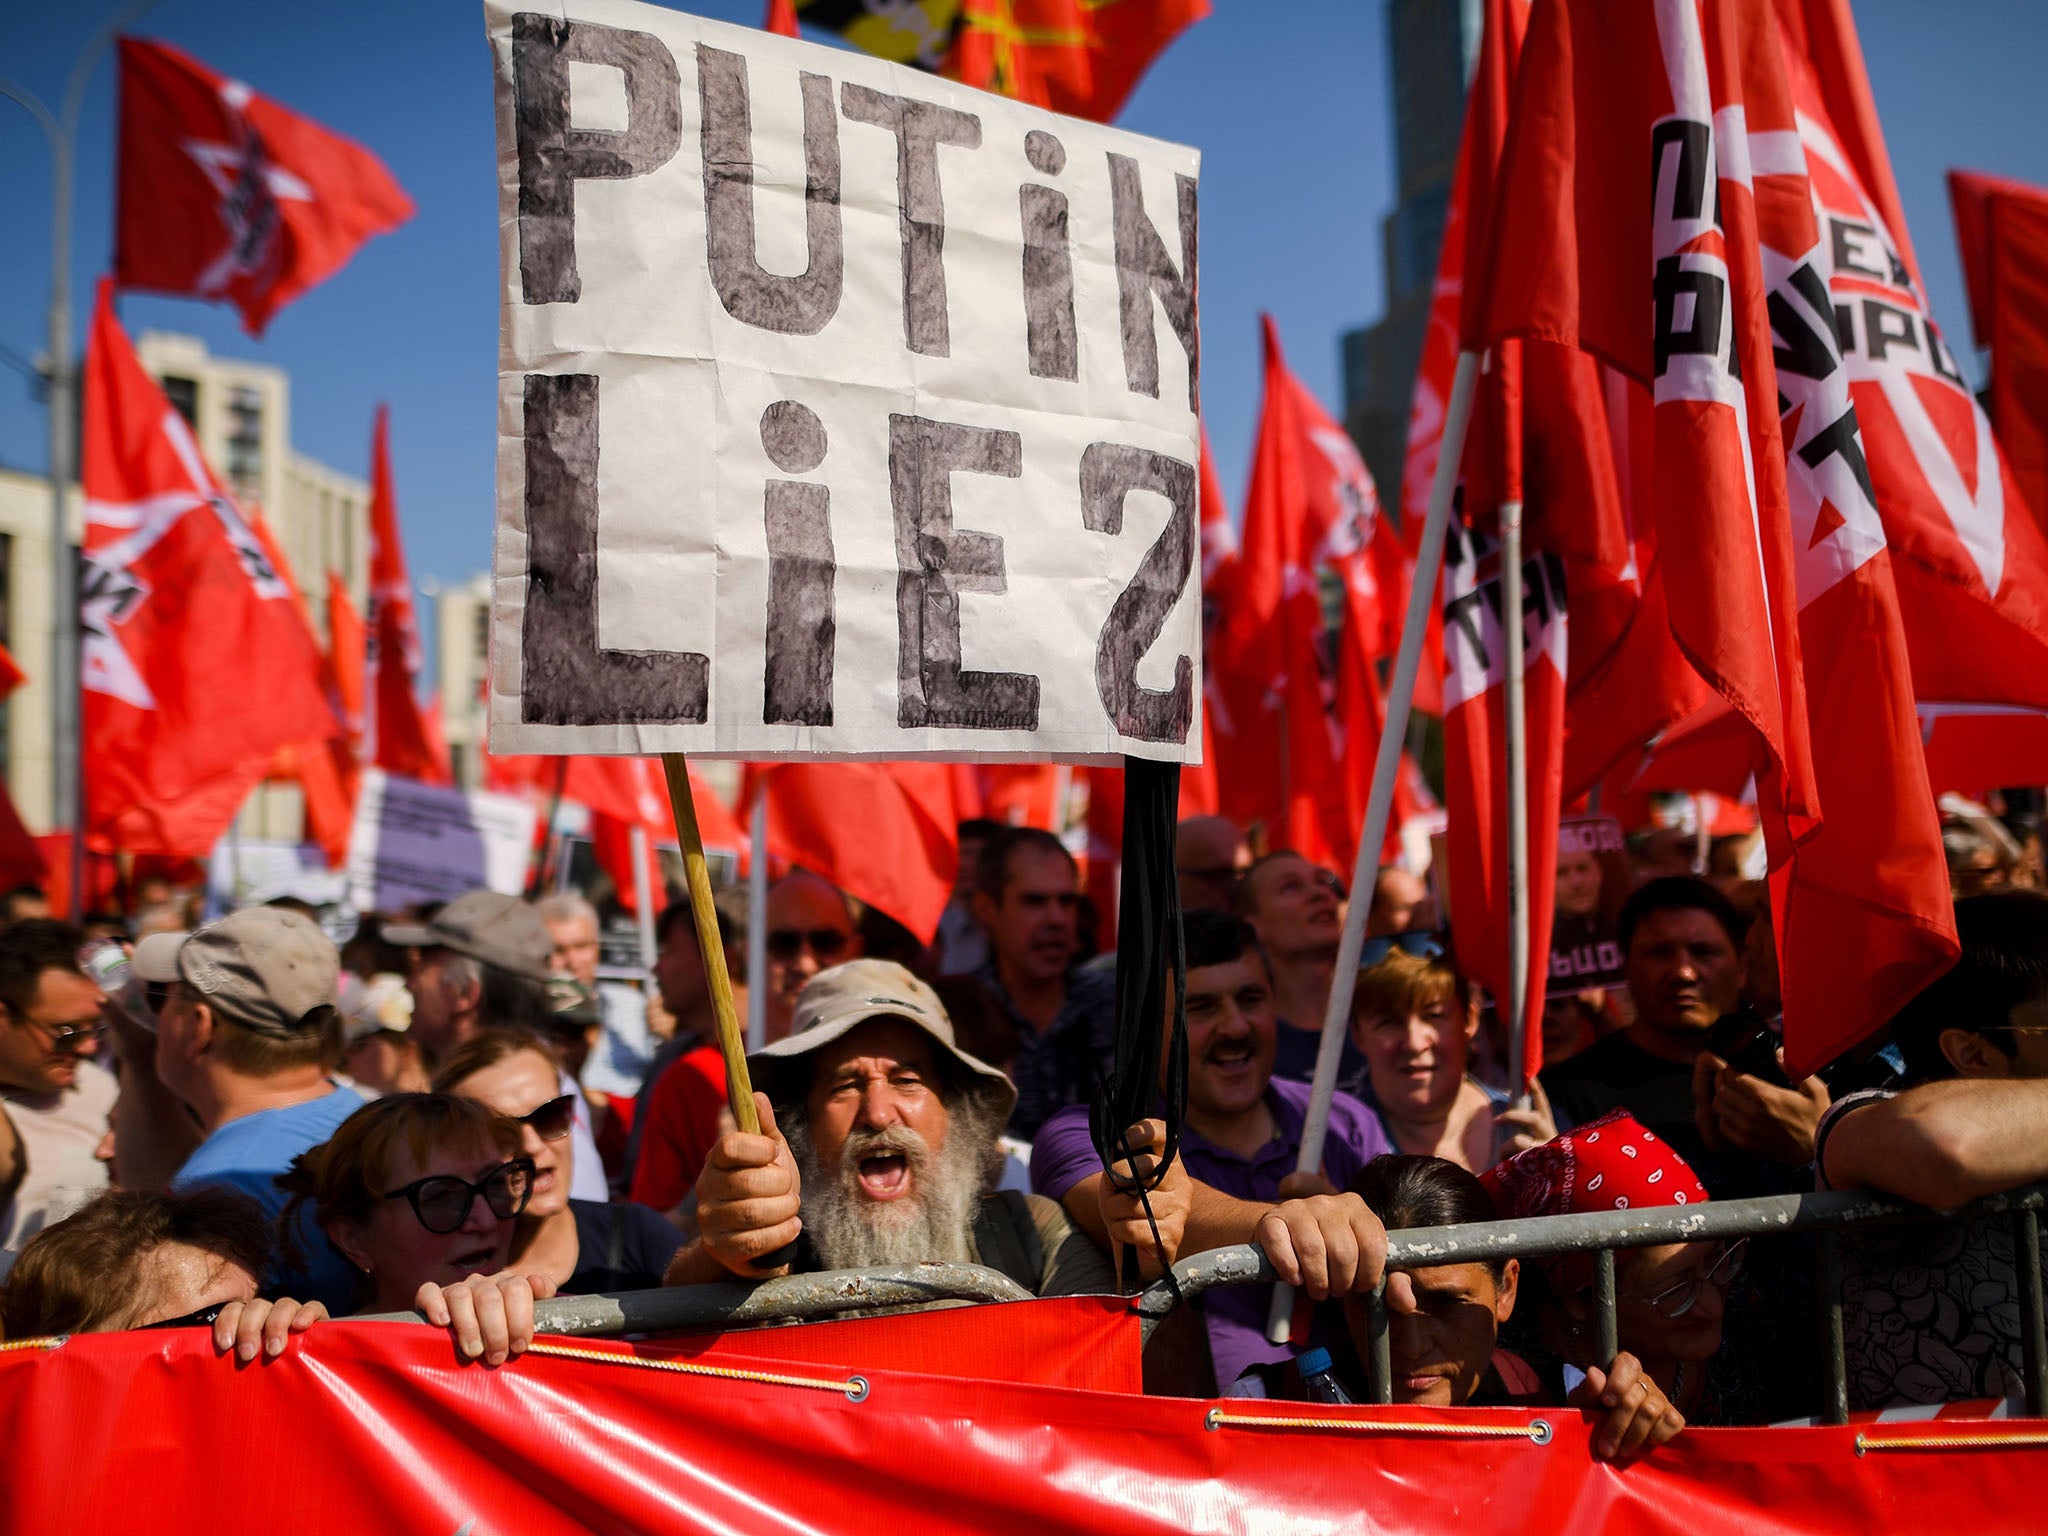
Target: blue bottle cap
column 1313, row 1362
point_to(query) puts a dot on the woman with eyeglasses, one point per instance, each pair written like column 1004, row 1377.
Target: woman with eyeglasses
column 421, row 1193
column 585, row 1246
column 1444, row 1322
column 1670, row 1298
column 1413, row 1021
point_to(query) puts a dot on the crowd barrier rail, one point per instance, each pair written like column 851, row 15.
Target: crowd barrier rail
column 1826, row 1216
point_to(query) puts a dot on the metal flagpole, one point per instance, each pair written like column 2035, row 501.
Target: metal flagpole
column 1379, row 806
column 757, row 921
column 61, row 129
column 1514, row 647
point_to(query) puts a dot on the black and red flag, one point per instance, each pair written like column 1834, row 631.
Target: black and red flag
column 224, row 194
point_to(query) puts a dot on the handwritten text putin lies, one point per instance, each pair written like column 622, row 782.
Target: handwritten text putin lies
column 1056, row 220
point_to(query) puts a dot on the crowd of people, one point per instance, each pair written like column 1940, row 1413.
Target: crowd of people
column 239, row 1125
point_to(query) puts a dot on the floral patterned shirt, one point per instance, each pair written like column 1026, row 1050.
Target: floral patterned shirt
column 1930, row 1312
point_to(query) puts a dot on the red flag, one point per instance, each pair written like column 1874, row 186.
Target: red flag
column 619, row 793
column 397, row 735
column 2003, row 230
column 11, row 675
column 1868, row 920
column 1968, row 551
column 1722, row 249
column 226, row 195
column 1103, row 867
column 1475, row 774
column 326, row 771
column 781, row 18
column 1584, row 247
column 196, row 664
column 1201, row 783
column 1079, row 57
column 1023, row 794
column 1976, row 749
column 1822, row 33
column 882, row 832
column 1283, row 677
column 348, row 661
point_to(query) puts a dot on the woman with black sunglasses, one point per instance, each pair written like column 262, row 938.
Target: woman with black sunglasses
column 585, row 1246
column 421, row 1193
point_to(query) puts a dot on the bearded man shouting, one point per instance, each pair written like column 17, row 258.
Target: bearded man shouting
column 878, row 1147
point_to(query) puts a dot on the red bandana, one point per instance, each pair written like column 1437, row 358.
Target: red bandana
column 1609, row 1164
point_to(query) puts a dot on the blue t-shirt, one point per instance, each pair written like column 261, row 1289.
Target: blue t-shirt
column 248, row 1153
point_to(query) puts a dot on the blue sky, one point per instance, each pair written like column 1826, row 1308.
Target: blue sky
column 1289, row 104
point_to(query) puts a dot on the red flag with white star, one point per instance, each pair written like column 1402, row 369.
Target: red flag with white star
column 226, row 195
column 196, row 665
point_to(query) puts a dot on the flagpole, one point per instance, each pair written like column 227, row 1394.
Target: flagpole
column 66, row 761
column 1380, row 804
column 739, row 1085
column 757, row 919
column 1518, row 794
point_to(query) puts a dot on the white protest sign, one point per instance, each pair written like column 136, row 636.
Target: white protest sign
column 414, row 842
column 843, row 411
column 248, row 871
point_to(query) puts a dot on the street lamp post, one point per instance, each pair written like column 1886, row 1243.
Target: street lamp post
column 62, row 132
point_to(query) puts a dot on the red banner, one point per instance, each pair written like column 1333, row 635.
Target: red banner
column 369, row 1426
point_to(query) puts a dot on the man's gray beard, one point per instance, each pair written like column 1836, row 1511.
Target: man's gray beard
column 932, row 1224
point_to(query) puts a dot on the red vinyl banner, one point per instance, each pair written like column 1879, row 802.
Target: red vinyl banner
column 375, row 1427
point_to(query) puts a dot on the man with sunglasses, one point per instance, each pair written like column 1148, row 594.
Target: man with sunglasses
column 809, row 930
column 58, row 1097
column 1934, row 1312
column 248, row 1036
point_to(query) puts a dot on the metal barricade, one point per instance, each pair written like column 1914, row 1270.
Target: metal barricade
column 1827, row 1215
column 792, row 1298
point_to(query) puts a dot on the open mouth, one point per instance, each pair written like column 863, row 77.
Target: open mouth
column 884, row 1175
column 476, row 1261
column 1234, row 1056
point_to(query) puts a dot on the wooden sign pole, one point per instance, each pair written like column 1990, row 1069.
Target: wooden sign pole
column 731, row 1044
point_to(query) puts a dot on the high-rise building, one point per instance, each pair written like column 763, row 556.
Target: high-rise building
column 1432, row 46
column 240, row 414
column 463, row 618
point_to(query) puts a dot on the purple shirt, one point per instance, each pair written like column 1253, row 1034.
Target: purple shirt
column 1062, row 1155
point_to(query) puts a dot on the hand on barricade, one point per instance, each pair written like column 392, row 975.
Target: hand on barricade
column 491, row 1316
column 1635, row 1414
column 749, row 1196
column 1123, row 1213
column 249, row 1326
column 1326, row 1245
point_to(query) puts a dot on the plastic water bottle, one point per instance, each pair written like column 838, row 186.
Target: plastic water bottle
column 1319, row 1382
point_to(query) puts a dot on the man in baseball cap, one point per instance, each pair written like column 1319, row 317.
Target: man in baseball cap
column 878, row 1147
column 480, row 963
column 247, row 1036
